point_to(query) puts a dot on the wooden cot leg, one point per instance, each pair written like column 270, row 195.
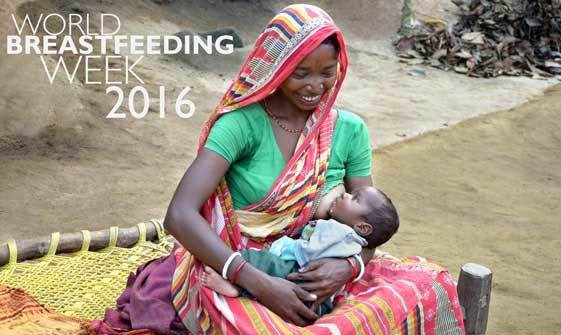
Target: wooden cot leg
column 474, row 291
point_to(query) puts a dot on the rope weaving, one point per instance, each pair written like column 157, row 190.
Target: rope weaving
column 84, row 283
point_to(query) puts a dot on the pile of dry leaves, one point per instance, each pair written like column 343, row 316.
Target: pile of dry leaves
column 491, row 38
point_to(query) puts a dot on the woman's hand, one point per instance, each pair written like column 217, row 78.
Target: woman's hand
column 282, row 297
column 323, row 277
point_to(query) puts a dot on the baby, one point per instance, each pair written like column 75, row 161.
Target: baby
column 364, row 219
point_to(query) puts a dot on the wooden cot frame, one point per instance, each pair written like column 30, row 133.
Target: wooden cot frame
column 474, row 283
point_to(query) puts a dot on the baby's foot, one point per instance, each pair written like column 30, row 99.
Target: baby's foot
column 213, row 280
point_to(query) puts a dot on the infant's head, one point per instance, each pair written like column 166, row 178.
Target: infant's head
column 369, row 212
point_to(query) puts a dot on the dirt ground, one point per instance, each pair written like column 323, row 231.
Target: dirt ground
column 487, row 191
column 65, row 167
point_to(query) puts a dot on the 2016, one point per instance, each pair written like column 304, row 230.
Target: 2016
column 181, row 100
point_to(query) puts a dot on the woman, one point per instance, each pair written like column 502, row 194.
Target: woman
column 272, row 147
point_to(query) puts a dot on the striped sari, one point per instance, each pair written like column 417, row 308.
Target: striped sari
column 409, row 296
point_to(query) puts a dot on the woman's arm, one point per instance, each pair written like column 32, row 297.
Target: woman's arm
column 352, row 183
column 185, row 223
column 183, row 220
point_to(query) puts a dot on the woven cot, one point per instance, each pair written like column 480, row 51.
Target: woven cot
column 79, row 275
column 82, row 284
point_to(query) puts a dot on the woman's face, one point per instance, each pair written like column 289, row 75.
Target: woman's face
column 315, row 75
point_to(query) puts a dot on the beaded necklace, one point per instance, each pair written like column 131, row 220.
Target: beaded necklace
column 277, row 121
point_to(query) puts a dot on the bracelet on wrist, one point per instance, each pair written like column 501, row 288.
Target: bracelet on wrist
column 361, row 264
column 354, row 268
column 227, row 264
column 237, row 271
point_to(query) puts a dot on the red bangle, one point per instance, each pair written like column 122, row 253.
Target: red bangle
column 353, row 267
column 237, row 271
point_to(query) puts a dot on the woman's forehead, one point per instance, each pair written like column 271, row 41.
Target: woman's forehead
column 324, row 55
column 327, row 65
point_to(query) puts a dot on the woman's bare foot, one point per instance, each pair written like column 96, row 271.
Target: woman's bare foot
column 213, row 280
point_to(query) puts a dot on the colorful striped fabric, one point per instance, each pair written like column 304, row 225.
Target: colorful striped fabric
column 393, row 297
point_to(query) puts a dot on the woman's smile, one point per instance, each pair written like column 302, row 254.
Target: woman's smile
column 311, row 100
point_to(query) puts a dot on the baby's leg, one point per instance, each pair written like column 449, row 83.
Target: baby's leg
column 213, row 280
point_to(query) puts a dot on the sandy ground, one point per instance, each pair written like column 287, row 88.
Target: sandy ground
column 488, row 191
column 65, row 167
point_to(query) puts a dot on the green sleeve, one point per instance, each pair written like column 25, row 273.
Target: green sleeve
column 229, row 137
column 359, row 161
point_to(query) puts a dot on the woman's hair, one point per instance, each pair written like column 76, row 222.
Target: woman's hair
column 332, row 40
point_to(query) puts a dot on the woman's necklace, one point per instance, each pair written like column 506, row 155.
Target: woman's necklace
column 277, row 121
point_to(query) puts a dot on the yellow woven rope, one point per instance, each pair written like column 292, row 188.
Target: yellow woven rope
column 55, row 237
column 87, row 238
column 84, row 283
column 113, row 233
column 13, row 252
column 141, row 232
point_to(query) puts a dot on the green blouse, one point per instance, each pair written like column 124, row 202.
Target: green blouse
column 246, row 140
